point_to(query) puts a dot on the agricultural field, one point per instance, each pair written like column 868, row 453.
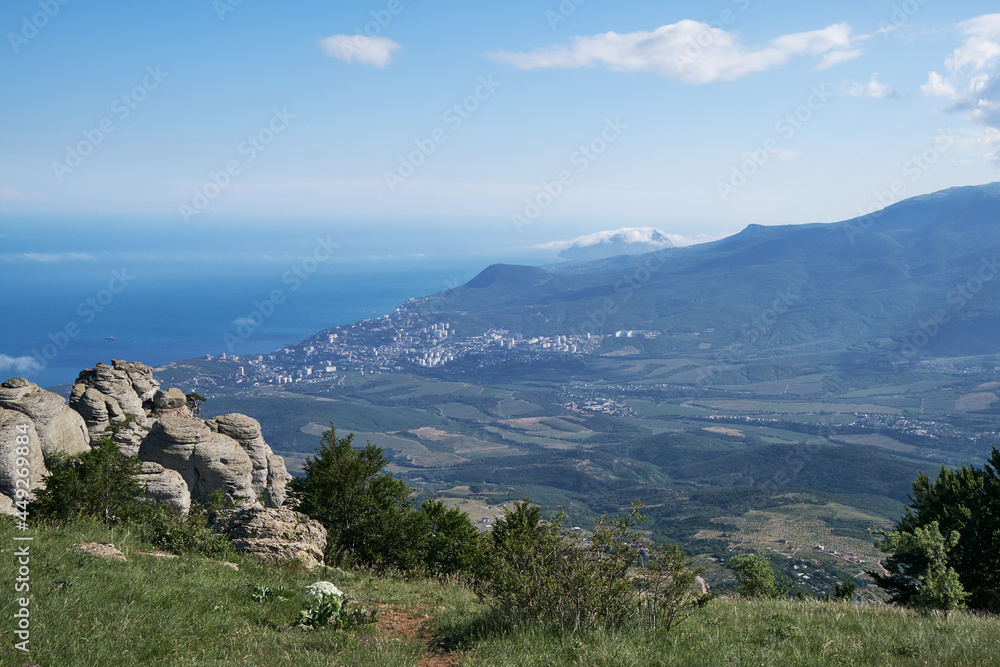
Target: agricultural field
column 717, row 451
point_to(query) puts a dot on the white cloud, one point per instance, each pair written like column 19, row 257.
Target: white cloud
column 836, row 57
column 47, row 258
column 974, row 80
column 690, row 51
column 874, row 88
column 979, row 52
column 20, row 365
column 936, row 86
column 786, row 154
column 645, row 235
column 987, row 25
column 374, row 51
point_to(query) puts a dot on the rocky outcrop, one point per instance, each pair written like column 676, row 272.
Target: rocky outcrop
column 165, row 486
column 185, row 459
column 273, row 535
column 129, row 384
column 206, row 460
column 106, row 394
column 17, row 431
column 269, row 473
column 58, row 427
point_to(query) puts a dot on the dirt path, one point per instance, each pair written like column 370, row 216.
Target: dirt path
column 412, row 623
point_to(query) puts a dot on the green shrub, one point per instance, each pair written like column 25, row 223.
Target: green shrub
column 167, row 528
column 531, row 568
column 453, row 543
column 845, row 590
column 371, row 518
column 755, row 577
column 98, row 483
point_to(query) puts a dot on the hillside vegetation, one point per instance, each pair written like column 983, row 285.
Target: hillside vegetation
column 189, row 611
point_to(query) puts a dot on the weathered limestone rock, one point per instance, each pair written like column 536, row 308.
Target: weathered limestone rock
column 105, row 394
column 12, row 425
column 97, row 409
column 269, row 473
column 277, row 479
column 272, row 534
column 131, row 384
column 173, row 401
column 207, row 461
column 104, row 550
column 59, row 428
column 165, row 486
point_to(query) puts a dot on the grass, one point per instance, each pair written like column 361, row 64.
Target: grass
column 187, row 611
column 736, row 633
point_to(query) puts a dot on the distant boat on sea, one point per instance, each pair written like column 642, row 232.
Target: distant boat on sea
column 109, row 338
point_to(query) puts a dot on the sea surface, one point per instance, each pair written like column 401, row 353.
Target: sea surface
column 68, row 289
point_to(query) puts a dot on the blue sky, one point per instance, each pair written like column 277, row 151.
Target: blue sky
column 572, row 117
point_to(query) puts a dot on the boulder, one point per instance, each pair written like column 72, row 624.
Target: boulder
column 272, row 534
column 165, row 486
column 13, row 425
column 104, row 550
column 173, row 401
column 207, row 461
column 269, row 473
column 59, row 428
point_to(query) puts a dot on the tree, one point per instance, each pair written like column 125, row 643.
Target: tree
column 453, row 543
column 194, row 401
column 966, row 502
column 937, row 585
column 845, row 590
column 101, row 483
column 368, row 514
column 755, row 577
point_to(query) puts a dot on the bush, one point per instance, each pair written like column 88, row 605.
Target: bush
column 532, row 569
column 165, row 527
column 755, row 577
column 98, row 483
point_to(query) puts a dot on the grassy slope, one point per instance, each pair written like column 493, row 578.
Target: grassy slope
column 152, row 611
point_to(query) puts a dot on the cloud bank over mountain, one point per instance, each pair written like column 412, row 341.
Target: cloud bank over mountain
column 624, row 241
